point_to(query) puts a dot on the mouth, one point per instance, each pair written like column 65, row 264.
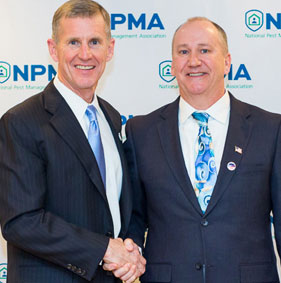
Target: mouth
column 196, row 74
column 82, row 67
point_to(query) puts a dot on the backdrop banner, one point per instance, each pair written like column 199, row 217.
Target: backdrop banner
column 138, row 79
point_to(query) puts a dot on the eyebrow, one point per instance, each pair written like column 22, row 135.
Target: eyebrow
column 97, row 38
column 186, row 45
column 182, row 45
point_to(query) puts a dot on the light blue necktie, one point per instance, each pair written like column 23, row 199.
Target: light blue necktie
column 205, row 167
column 94, row 139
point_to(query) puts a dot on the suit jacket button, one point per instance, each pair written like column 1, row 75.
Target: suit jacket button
column 198, row 266
column 109, row 234
column 204, row 222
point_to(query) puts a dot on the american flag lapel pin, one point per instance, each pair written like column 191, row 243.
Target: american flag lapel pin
column 238, row 149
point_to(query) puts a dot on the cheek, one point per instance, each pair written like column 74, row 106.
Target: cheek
column 217, row 66
column 67, row 55
column 99, row 56
column 177, row 66
column 104, row 55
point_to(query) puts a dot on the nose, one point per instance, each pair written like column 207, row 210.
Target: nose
column 194, row 60
column 84, row 52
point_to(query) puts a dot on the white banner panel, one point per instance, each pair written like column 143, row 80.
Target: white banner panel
column 138, row 79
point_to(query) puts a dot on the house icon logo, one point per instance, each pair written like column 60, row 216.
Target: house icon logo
column 3, row 272
column 254, row 19
column 5, row 71
column 165, row 68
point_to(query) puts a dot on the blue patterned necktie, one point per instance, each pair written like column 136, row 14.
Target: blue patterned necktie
column 94, row 139
column 205, row 167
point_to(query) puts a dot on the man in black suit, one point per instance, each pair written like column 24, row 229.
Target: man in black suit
column 206, row 172
column 65, row 199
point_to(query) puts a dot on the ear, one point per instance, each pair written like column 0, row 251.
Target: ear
column 227, row 63
column 110, row 49
column 52, row 46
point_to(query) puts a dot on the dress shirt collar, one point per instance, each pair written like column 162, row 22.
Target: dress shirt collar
column 77, row 104
column 218, row 111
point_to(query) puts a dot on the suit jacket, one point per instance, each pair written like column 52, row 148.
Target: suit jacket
column 53, row 207
column 232, row 241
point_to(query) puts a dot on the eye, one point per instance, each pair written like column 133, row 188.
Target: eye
column 73, row 42
column 183, row 52
column 94, row 42
column 204, row 50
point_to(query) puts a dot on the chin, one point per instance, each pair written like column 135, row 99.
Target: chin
column 197, row 91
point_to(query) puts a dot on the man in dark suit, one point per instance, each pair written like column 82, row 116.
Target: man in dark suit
column 206, row 172
column 65, row 194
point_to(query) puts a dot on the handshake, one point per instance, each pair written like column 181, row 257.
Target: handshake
column 123, row 258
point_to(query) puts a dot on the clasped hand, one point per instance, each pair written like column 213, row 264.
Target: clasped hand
column 124, row 260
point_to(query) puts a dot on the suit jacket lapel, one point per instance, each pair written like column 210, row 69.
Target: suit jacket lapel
column 168, row 130
column 67, row 126
column 114, row 122
column 239, row 131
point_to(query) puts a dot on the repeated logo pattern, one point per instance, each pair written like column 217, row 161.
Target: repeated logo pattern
column 254, row 19
column 205, row 167
column 3, row 272
column 5, row 71
column 165, row 71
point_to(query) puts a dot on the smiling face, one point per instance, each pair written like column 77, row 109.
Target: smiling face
column 82, row 50
column 200, row 61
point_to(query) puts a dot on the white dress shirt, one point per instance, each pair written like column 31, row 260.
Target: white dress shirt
column 113, row 165
column 189, row 128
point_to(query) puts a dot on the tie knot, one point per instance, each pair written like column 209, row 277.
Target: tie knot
column 202, row 117
column 91, row 113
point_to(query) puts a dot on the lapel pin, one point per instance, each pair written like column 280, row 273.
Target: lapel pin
column 231, row 166
column 238, row 149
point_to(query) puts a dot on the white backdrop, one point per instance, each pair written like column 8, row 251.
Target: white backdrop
column 137, row 80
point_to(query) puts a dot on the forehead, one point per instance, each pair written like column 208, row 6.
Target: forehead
column 196, row 32
column 82, row 25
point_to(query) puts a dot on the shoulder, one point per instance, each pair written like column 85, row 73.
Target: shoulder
column 31, row 114
column 154, row 117
column 25, row 110
column 34, row 105
column 257, row 114
column 264, row 124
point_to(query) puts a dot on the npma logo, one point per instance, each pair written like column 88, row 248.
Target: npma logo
column 254, row 19
column 5, row 71
column 25, row 73
column 165, row 73
column 3, row 272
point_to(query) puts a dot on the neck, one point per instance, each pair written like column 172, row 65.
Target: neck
column 200, row 101
column 87, row 96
